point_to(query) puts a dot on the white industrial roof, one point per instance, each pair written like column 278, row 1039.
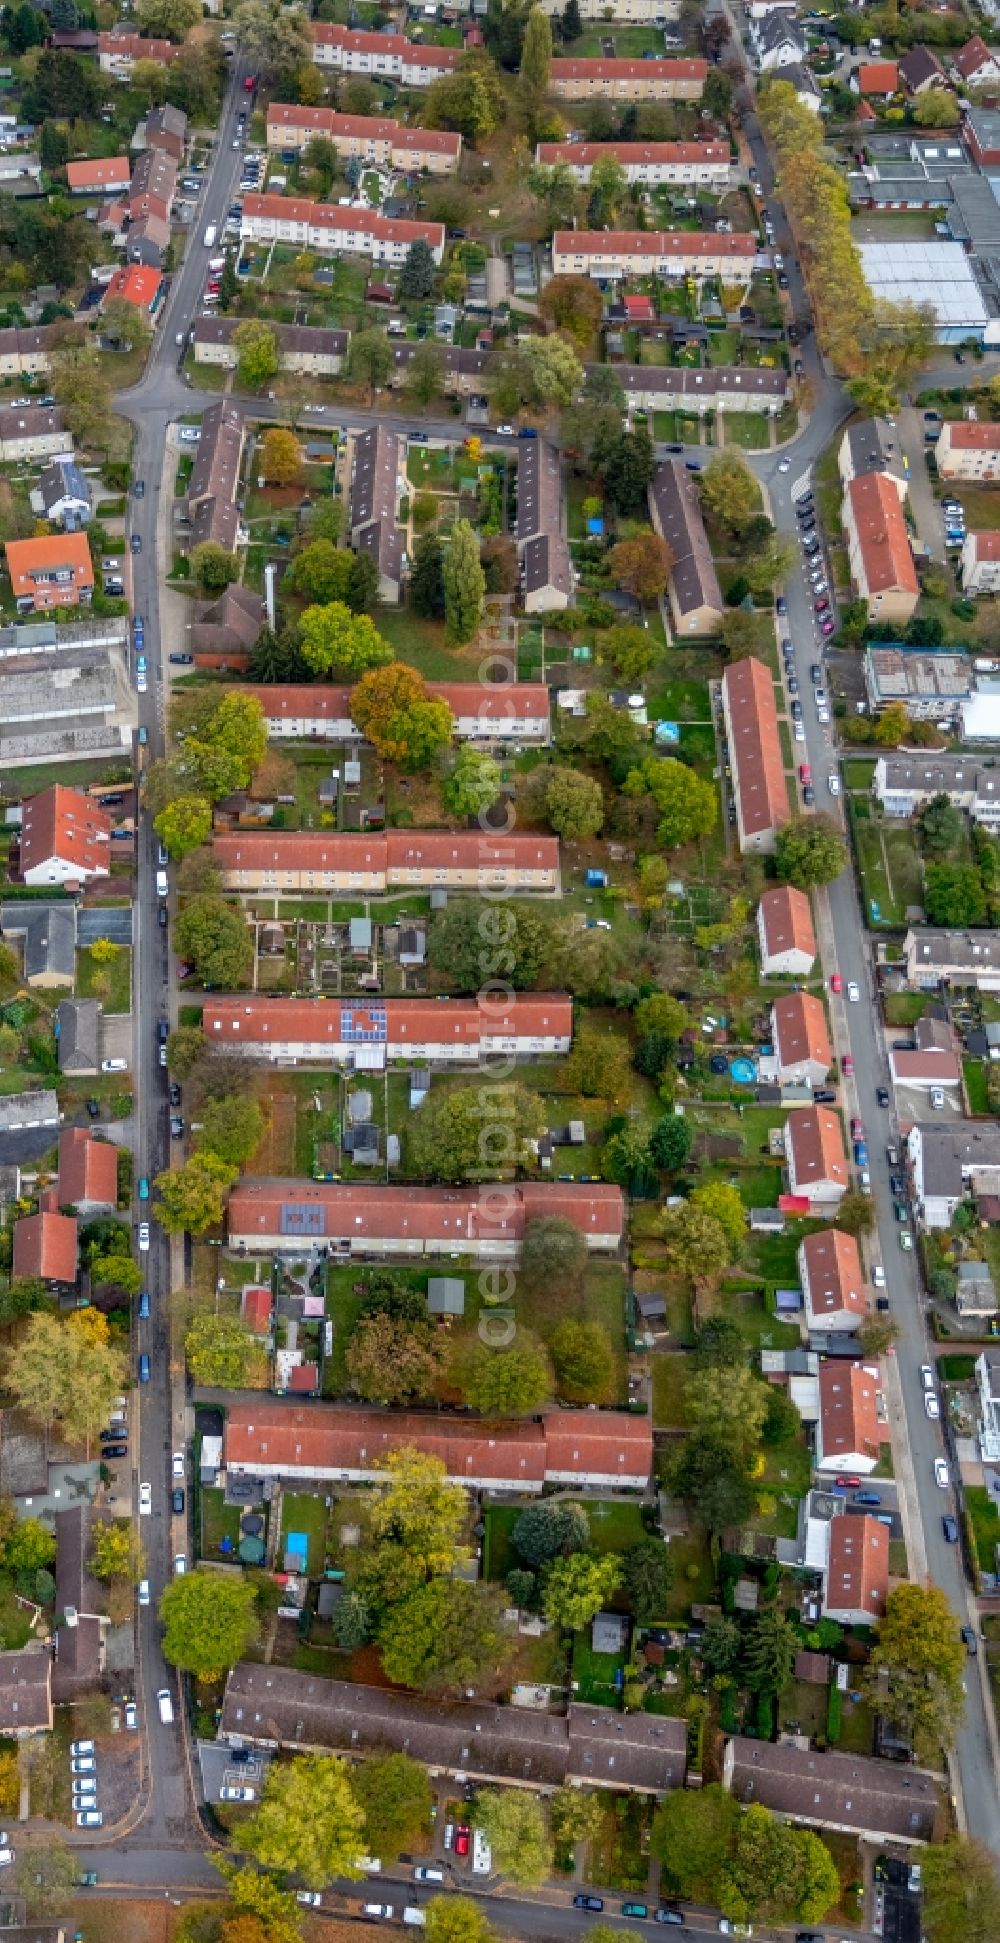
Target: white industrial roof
column 981, row 714
column 934, row 273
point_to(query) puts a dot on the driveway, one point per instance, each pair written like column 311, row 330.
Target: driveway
column 114, row 923
column 923, row 505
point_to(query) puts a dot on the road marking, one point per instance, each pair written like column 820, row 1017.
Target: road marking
column 801, row 485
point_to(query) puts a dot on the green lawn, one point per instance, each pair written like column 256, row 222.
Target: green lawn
column 111, row 982
column 422, row 644
column 905, row 1008
column 680, row 701
column 306, row 1511
column 976, row 1085
column 670, row 1377
column 617, row 1858
column 15, row 1620
column 985, row 1525
column 614, row 1527
column 751, row 430
column 594, row 1673
column 218, row 1520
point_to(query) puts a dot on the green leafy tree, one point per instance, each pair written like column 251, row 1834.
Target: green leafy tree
column 215, row 937
column 362, row 584
column 729, row 491
column 575, row 1816
column 321, row 572
column 208, row 1622
column 809, row 850
column 221, row 1353
column 464, row 583
column 513, row 1823
column 685, row 802
column 192, row 1196
column 695, row 1244
column 405, row 724
column 571, row 304
column 61, row 1372
column 427, row 578
column 167, row 19
column 416, row 279
column 445, row 1637
column 309, row 1823
column 713, row 1482
column 418, row 1510
column 583, row 1360
column 720, row 1647
column 574, row 804
column 474, row 782
column 936, row 108
column 508, row 1382
column 426, row 378
column 371, row 359
column 730, row 1405
column 29, row 1546
column 919, row 1647
column 578, row 1586
column 392, row 1361
column 45, row 1874
column 769, row 1653
column 641, row 564
column 777, row 1873
column 670, row 1142
column 692, row 1836
column 631, row 651
column 608, row 190
column 598, row 1065
column 536, row 52
column 116, row 1552
column 212, row 568
column 474, row 940
column 550, row 1529
column 233, row 1128
column 456, row 1919
column 856, row 1214
column 451, row 1141
column 185, row 1050
column 554, row 1256
column 941, row 827
column 395, row 1794
column 725, row 1204
column 954, row 895
column 572, row 21
column 649, row 1575
column 557, row 189
column 258, row 357
column 961, row 1901
column 118, row 1271
column 720, row 1344
column 340, row 644
column 185, row 824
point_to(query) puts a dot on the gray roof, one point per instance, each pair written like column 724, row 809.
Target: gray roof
column 774, row 30
column 63, row 480
column 976, row 1292
column 25, row 1691
column 874, row 447
column 920, row 65
column 539, row 489
column 216, row 468
column 952, row 1153
column 972, row 951
column 277, row 1704
column 877, row 1798
column 48, row 935
column 374, row 499
column 974, row 216
column 78, row 1647
column 692, row 383
column 802, row 79
column 33, row 422
column 289, row 337
column 939, row 776
column 546, row 561
column 446, row 1295
column 897, row 674
column 38, row 1108
column 674, row 499
column 79, row 1035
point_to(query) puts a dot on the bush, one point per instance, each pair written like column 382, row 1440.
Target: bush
column 833, row 1710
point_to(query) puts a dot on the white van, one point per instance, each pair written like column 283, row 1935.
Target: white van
column 210, row 236
column 482, row 1855
column 166, row 1706
column 162, row 886
column 114, row 1065
column 415, row 1918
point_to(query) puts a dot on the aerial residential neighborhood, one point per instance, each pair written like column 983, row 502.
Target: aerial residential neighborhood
column 499, row 971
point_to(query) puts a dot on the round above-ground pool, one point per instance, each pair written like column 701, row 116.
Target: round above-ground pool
column 743, row 1071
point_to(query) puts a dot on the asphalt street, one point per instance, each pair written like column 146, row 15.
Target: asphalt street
column 163, row 1850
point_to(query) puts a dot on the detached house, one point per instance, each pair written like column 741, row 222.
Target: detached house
column 776, row 42
column 977, row 64
column 833, row 1281
column 45, row 1249
column 88, row 1172
column 785, row 933
column 54, row 572
column 920, row 69
column 848, row 1434
column 817, row 1163
column 981, row 563
column 801, row 1040
column 857, row 1571
column 65, row 838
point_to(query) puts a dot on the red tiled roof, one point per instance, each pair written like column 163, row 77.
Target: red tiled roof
column 985, row 545
column 304, row 1377
column 799, row 1022
column 370, row 128
column 324, row 701
column 63, row 822
column 396, row 850
column 941, row 1068
column 664, row 243
column 973, row 435
column 327, row 1437
column 970, row 58
column 847, row 1410
column 656, row 70
column 322, row 215
column 433, row 1214
column 758, row 764
column 817, row 1147
column 857, row 1577
column 88, row 1168
column 787, row 917
column 835, row 1275
column 45, row 1246
column 25, row 558
column 633, row 154
column 878, row 77
column 258, row 1021
column 110, row 172
column 355, row 40
column 136, row 48
column 136, row 282
column 882, row 534
column 255, row 1308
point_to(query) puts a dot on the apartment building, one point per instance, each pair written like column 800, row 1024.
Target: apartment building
column 720, row 388
column 958, row 960
column 336, row 231
column 693, row 589
column 344, row 1221
column 872, row 445
column 389, row 57
column 26, row 352
column 981, row 563
column 507, row 714
column 950, row 1163
column 117, row 53
column 56, row 571
column 704, row 165
column 903, row 784
column 929, row 682
column 758, row 766
column 833, row 1281
column 617, row 253
column 848, row 1434
column 64, row 839
column 33, row 432
column 814, row 1152
column 878, row 548
column 364, row 138
column 303, row 348
column 378, row 479
column 968, row 449
column 801, row 1040
column 546, row 568
column 367, row 1036
column 785, row 933
column 110, row 176
column 628, row 13
column 318, row 860
column 881, row 1801
column 612, row 80
column 215, row 477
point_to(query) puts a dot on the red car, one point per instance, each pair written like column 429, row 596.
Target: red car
column 850, row 1483
column 462, row 1841
column 836, row 983
column 805, row 773
column 847, row 1065
column 857, row 1129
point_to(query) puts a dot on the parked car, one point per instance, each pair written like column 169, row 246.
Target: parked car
column 942, row 1475
column 882, row 1095
column 595, row 1903
column 82, row 1747
column 950, row 1528
column 969, row 1638
column 462, row 1840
